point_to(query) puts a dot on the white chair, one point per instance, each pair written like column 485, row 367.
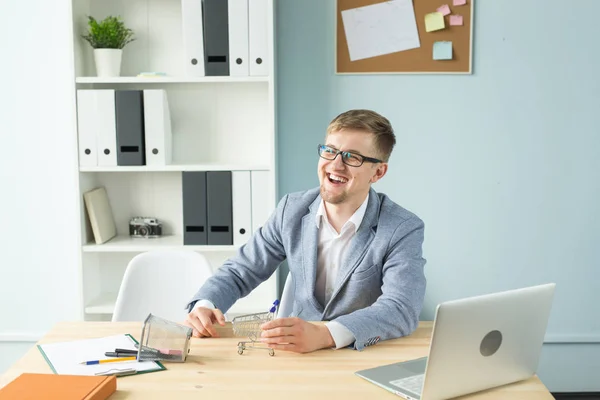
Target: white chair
column 286, row 305
column 162, row 283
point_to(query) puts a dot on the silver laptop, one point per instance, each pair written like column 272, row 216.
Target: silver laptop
column 477, row 343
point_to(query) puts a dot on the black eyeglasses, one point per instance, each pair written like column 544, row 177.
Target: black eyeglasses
column 348, row 158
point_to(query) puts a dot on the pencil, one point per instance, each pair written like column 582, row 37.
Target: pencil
column 109, row 360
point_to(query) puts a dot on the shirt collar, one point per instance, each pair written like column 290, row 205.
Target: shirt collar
column 355, row 219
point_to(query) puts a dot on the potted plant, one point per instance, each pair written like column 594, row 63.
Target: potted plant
column 108, row 38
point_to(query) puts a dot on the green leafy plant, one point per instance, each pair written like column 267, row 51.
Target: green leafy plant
column 110, row 33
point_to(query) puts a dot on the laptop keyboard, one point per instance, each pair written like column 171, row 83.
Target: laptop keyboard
column 412, row 383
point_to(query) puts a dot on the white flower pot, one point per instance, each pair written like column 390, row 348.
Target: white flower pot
column 108, row 62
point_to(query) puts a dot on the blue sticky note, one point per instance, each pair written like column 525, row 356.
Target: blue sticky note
column 442, row 50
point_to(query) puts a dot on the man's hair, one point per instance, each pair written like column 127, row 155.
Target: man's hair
column 368, row 121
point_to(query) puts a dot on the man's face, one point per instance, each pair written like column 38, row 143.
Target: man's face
column 343, row 183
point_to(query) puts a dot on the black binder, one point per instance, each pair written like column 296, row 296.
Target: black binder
column 194, row 207
column 219, row 210
column 129, row 117
column 216, row 37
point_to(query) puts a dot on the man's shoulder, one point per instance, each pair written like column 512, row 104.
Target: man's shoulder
column 294, row 206
column 394, row 213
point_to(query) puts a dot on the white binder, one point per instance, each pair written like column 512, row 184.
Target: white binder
column 242, row 206
column 157, row 126
column 258, row 31
column 193, row 37
column 86, row 128
column 106, row 130
column 238, row 37
column 261, row 198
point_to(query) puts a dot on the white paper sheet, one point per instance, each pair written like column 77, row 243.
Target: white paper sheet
column 65, row 357
column 381, row 28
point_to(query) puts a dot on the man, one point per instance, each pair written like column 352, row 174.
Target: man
column 355, row 257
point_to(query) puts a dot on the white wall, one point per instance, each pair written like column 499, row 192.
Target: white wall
column 38, row 198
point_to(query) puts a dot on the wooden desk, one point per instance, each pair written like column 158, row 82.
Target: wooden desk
column 215, row 370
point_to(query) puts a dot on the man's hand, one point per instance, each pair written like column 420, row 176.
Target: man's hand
column 202, row 319
column 295, row 334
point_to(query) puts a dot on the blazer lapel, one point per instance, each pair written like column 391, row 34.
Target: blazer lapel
column 309, row 239
column 360, row 243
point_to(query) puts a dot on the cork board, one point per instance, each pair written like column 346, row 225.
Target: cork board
column 416, row 60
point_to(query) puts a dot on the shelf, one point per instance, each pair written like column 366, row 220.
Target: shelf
column 177, row 168
column 172, row 79
column 103, row 304
column 169, row 242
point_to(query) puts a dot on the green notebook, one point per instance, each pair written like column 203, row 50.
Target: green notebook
column 65, row 357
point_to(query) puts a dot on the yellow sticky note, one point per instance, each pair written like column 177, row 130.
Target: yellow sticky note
column 434, row 21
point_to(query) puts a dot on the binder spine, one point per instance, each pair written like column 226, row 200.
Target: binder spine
column 238, row 38
column 193, row 37
column 216, row 37
column 86, row 128
column 129, row 107
column 241, row 194
column 219, row 211
column 106, row 128
column 258, row 35
column 157, row 124
column 194, row 207
column 260, row 198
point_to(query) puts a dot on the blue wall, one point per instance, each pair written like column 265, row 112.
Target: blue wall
column 502, row 165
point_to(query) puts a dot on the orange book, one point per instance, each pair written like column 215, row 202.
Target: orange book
column 29, row 386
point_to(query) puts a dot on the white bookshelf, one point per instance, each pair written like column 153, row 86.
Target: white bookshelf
column 127, row 244
column 179, row 168
column 219, row 123
column 169, row 79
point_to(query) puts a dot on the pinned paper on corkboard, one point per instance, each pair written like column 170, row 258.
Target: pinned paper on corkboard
column 398, row 36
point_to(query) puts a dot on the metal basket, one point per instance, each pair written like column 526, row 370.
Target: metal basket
column 249, row 325
column 164, row 340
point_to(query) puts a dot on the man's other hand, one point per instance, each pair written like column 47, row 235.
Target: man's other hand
column 295, row 334
column 202, row 321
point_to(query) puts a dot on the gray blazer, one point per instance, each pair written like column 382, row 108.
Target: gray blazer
column 380, row 288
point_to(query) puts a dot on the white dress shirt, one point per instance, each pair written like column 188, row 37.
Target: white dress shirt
column 331, row 250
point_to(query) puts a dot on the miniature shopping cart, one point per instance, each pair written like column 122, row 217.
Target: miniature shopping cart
column 249, row 325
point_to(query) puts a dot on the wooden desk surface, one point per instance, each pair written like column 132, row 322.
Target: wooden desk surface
column 214, row 368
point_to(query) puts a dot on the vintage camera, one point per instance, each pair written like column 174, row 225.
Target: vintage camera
column 145, row 227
